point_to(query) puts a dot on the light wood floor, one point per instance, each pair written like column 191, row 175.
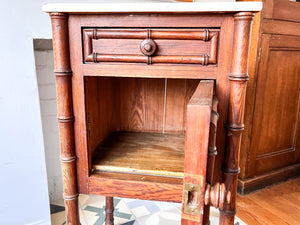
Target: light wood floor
column 279, row 204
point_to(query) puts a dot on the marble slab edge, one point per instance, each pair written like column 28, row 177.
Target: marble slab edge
column 196, row 7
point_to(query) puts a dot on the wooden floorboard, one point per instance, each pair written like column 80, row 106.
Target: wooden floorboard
column 279, row 204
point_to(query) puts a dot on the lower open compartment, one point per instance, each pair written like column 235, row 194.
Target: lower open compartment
column 136, row 127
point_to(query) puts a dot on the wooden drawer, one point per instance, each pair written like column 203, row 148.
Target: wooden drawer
column 150, row 46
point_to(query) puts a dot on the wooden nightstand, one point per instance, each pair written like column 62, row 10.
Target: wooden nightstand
column 137, row 89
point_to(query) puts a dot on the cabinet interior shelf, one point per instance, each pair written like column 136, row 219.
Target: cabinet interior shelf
column 141, row 153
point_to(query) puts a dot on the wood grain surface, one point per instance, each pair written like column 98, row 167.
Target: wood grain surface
column 136, row 186
column 141, row 104
column 126, row 46
column 277, row 110
column 238, row 78
column 63, row 75
column 275, row 205
column 198, row 116
column 270, row 144
column 109, row 211
column 102, row 114
column 141, row 153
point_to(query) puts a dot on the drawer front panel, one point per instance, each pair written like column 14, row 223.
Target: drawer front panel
column 151, row 46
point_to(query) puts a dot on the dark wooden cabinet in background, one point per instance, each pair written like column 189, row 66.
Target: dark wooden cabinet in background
column 271, row 141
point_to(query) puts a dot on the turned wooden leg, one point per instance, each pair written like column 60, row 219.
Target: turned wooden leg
column 235, row 122
column 109, row 211
column 65, row 114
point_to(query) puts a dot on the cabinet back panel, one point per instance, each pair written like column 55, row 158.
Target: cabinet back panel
column 141, row 104
column 154, row 105
column 178, row 94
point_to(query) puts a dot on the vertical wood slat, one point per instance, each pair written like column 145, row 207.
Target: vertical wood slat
column 237, row 89
column 175, row 101
column 63, row 75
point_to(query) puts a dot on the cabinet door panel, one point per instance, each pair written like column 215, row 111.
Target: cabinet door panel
column 198, row 115
column 276, row 114
column 286, row 10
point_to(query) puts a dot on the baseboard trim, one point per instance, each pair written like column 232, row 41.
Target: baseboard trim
column 246, row 186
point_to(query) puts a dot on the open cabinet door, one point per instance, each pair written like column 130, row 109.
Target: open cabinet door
column 198, row 118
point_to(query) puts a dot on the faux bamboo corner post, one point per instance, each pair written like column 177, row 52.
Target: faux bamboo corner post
column 238, row 78
column 63, row 76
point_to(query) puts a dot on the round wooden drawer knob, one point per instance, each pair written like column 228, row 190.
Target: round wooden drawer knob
column 148, row 47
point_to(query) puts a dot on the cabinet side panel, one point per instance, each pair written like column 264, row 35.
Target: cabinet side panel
column 101, row 108
column 225, row 51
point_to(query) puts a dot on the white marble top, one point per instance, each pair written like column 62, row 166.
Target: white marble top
column 162, row 6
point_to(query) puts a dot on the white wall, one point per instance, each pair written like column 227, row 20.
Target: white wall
column 44, row 62
column 23, row 182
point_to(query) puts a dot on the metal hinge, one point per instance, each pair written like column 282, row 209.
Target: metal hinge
column 88, row 125
column 259, row 53
column 192, row 199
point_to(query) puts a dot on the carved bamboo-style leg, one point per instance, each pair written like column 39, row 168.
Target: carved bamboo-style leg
column 109, row 211
column 212, row 152
column 65, row 114
column 235, row 122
